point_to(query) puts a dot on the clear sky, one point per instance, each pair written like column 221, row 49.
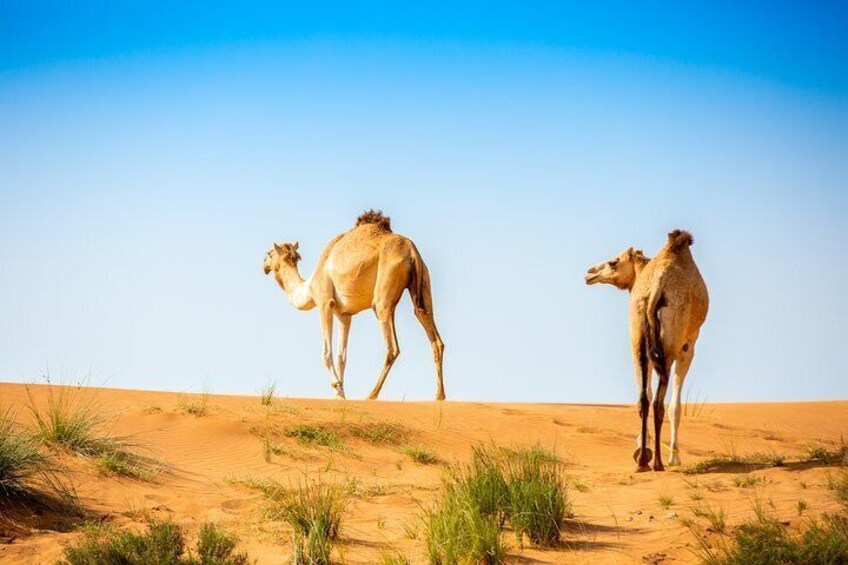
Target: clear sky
column 150, row 154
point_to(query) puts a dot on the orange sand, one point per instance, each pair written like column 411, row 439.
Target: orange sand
column 619, row 515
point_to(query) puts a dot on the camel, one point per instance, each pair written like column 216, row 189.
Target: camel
column 368, row 266
column 668, row 306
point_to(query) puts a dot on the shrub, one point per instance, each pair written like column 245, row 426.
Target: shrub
column 162, row 544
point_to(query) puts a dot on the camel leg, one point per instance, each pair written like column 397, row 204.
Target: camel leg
column 643, row 453
column 327, row 334
column 341, row 356
column 681, row 367
column 659, row 414
column 649, row 391
column 426, row 319
column 386, row 315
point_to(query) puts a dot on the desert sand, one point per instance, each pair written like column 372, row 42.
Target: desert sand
column 618, row 516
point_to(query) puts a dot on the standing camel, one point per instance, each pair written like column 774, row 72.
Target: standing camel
column 668, row 305
column 368, row 266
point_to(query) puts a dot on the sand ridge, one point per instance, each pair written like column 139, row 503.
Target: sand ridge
column 618, row 516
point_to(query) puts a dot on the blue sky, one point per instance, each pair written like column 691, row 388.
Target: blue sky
column 150, row 154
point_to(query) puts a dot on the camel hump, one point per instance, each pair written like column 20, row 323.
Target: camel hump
column 375, row 217
column 679, row 239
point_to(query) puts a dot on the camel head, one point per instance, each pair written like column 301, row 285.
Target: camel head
column 281, row 254
column 620, row 271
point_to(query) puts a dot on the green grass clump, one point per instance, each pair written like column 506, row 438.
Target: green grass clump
column 380, row 433
column 77, row 425
column 315, row 512
column 420, row 455
column 839, row 486
column 457, row 532
column 522, row 487
column 162, row 544
column 28, row 479
column 21, row 462
column 747, row 481
column 267, row 393
column 666, row 502
column 538, row 501
column 766, row 541
column 821, row 455
column 315, row 434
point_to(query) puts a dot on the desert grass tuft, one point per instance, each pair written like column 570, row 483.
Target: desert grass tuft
column 666, row 502
column 765, row 540
column 828, row 456
column 71, row 422
column 456, row 531
column 163, row 543
column 747, row 481
column 522, row 487
column 380, row 433
column 268, row 393
column 315, row 512
column 20, row 459
column 315, row 434
column 420, row 454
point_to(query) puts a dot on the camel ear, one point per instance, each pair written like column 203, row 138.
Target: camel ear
column 296, row 245
column 630, row 252
column 639, row 253
column 278, row 247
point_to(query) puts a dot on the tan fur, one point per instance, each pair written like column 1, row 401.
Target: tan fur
column 375, row 217
column 668, row 306
column 368, row 266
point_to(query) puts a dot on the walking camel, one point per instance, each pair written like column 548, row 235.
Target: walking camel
column 368, row 266
column 668, row 305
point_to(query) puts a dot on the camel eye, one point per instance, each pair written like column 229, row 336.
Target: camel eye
column 613, row 263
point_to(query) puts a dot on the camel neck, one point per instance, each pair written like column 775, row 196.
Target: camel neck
column 637, row 270
column 288, row 278
column 295, row 287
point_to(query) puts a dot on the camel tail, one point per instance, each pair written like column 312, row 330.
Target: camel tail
column 416, row 283
column 653, row 340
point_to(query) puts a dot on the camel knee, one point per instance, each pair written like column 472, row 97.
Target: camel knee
column 391, row 354
column 327, row 358
column 438, row 350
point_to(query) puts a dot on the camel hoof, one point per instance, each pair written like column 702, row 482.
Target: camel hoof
column 674, row 461
column 658, row 467
column 643, row 468
column 648, row 456
column 440, row 397
column 372, row 396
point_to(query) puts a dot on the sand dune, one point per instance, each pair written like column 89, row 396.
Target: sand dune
column 619, row 517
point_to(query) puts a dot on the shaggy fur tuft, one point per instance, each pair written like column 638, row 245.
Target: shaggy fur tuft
column 287, row 253
column 679, row 239
column 375, row 217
